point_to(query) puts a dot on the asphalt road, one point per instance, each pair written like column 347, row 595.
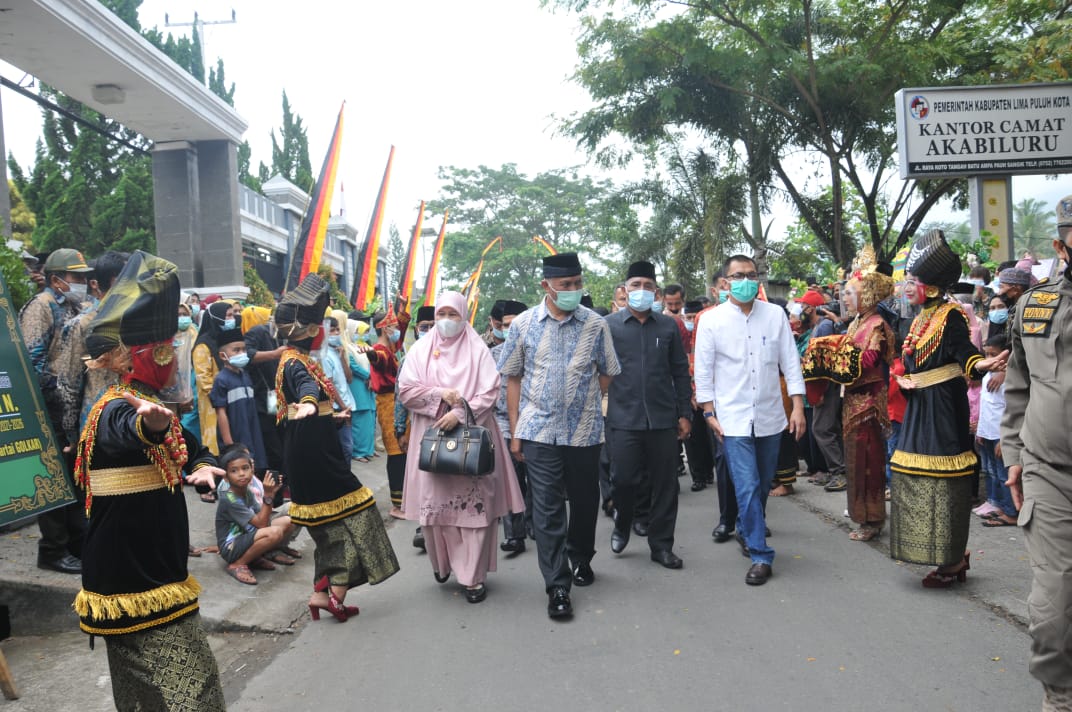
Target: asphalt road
column 839, row 627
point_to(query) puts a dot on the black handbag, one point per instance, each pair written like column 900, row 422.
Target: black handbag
column 465, row 449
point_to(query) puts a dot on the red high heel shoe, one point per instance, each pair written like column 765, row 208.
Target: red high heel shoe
column 334, row 606
column 936, row 579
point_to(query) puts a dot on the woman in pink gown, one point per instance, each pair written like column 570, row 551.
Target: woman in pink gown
column 458, row 514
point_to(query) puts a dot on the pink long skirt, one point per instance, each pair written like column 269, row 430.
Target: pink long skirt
column 469, row 553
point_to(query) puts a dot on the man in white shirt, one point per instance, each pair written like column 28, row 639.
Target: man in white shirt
column 740, row 347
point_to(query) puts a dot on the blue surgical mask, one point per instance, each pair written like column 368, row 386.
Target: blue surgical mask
column 657, row 307
column 744, row 290
column 690, row 325
column 395, row 336
column 228, row 324
column 998, row 316
column 239, row 360
column 334, row 340
column 568, row 301
column 723, row 296
column 185, row 323
column 195, row 309
column 641, row 299
column 506, row 332
column 498, row 334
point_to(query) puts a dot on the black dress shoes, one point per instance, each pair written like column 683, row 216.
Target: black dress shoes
column 758, row 574
column 476, row 595
column 558, row 603
column 668, row 559
column 698, row 486
column 514, row 546
column 640, row 529
column 66, row 564
column 583, row 574
column 618, row 540
column 744, row 547
column 722, row 534
column 418, row 539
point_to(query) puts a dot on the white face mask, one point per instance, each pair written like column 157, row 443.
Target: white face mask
column 448, row 328
column 77, row 291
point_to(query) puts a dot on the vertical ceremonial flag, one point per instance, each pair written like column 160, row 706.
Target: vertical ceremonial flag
column 409, row 271
column 364, row 290
column 546, row 245
column 432, row 285
column 305, row 257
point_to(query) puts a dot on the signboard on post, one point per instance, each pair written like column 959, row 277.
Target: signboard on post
column 949, row 132
column 32, row 477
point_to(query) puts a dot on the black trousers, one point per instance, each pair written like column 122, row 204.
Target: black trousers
column 633, row 454
column 557, row 473
column 63, row 529
column 698, row 449
column 517, row 524
column 727, row 496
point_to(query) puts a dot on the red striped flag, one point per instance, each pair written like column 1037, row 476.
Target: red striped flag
column 364, row 290
column 546, row 245
column 405, row 284
column 432, row 285
column 305, row 257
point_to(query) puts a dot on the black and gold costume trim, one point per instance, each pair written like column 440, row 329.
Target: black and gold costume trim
column 311, row 515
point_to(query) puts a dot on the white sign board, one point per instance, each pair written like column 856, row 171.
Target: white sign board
column 996, row 130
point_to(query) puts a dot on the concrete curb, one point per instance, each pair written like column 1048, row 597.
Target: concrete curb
column 40, row 601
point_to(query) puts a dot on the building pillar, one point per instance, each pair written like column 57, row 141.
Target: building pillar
column 221, row 228
column 177, row 209
column 990, row 204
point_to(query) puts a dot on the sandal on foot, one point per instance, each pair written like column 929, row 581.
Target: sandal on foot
column 782, row 490
column 193, row 551
column 242, row 574
column 262, row 564
column 209, row 498
column 821, row 479
column 998, row 521
column 278, row 557
column 864, row 533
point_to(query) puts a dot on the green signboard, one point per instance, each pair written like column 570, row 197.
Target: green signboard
column 32, row 476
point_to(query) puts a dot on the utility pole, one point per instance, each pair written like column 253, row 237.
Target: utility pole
column 199, row 27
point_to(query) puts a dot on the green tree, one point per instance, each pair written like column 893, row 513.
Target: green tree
column 1034, row 226
column 14, row 273
column 259, row 294
column 23, row 220
column 396, row 258
column 569, row 211
column 290, row 154
column 801, row 81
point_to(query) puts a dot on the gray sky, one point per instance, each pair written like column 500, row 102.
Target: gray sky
column 464, row 82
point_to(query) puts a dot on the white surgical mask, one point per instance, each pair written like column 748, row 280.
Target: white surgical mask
column 449, row 328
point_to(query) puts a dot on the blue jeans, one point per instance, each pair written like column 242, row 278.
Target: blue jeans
column 997, row 492
column 752, row 462
column 891, row 445
column 346, row 440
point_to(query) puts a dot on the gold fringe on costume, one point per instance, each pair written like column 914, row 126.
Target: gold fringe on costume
column 912, row 463
column 98, row 607
column 311, row 515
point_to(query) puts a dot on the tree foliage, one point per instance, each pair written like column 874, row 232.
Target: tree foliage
column 804, row 89
column 259, row 294
column 23, row 220
column 290, row 153
column 570, row 211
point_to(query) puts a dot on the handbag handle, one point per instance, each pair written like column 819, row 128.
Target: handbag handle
column 470, row 419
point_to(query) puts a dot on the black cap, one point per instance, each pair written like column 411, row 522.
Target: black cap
column 228, row 336
column 140, row 307
column 564, row 264
column 425, row 314
column 933, row 261
column 512, row 308
column 642, row 268
column 694, row 307
column 302, row 306
column 497, row 310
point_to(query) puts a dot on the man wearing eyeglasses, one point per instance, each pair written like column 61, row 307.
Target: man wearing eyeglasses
column 740, row 347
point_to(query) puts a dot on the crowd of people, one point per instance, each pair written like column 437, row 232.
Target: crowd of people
column 939, row 394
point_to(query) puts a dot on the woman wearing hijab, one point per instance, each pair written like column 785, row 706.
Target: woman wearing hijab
column 458, row 514
column 219, row 316
column 363, row 415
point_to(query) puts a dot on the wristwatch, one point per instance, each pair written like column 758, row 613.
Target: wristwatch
column 708, row 414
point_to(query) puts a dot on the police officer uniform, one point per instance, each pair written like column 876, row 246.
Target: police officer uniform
column 1035, row 436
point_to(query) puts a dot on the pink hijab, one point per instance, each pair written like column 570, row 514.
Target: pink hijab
column 463, row 363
